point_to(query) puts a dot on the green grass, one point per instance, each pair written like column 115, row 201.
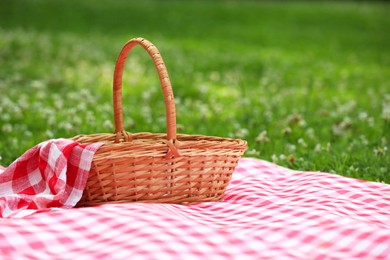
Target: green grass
column 305, row 83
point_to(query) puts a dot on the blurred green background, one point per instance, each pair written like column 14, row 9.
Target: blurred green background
column 306, row 83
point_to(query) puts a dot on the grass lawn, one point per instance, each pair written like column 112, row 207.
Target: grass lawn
column 306, row 83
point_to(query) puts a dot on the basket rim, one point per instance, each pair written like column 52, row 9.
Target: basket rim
column 147, row 144
column 136, row 137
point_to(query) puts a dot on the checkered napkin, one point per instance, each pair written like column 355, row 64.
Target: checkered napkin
column 51, row 174
column 268, row 212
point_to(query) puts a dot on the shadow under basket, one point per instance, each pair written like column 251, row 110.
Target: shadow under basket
column 148, row 167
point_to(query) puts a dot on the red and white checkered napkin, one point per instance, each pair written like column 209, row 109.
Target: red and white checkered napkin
column 268, row 212
column 51, row 174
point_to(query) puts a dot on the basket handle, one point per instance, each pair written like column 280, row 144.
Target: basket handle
column 165, row 85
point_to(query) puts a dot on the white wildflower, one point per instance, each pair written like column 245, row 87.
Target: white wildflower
column 310, row 133
column 81, row 106
column 203, row 89
column 302, row 123
column 386, row 108
column 242, row 133
column 346, row 123
column 38, row 84
column 51, row 120
column 107, row 124
column 180, row 127
column 347, row 107
column 364, row 140
column 28, row 133
column 380, row 151
column 146, row 95
column 296, row 119
column 41, row 95
column 5, row 117
column 262, row 137
column 49, row 134
column 291, row 158
column 286, row 131
column 318, row 148
column 58, row 104
column 384, row 141
column 328, row 147
column 302, row 142
column 363, row 116
column 291, row 148
column 76, row 120
column 253, row 152
column 65, row 126
column 341, row 128
column 352, row 170
column 7, row 128
column 204, row 110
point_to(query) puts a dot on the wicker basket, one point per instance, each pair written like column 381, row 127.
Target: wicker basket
column 147, row 167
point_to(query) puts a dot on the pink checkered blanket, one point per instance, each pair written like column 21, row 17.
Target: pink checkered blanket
column 268, row 212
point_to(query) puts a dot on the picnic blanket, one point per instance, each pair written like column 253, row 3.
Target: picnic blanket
column 268, row 212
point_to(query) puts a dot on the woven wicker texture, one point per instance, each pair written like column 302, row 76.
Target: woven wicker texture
column 148, row 167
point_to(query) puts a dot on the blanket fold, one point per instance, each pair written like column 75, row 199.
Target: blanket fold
column 51, row 174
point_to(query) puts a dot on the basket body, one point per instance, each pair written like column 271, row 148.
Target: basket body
column 151, row 167
column 140, row 171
